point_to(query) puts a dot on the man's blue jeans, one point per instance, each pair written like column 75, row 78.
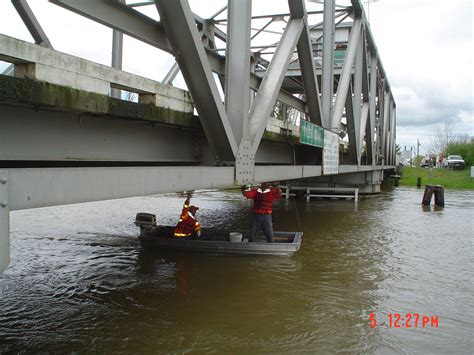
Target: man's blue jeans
column 261, row 221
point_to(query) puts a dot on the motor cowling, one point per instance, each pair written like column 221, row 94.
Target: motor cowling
column 146, row 221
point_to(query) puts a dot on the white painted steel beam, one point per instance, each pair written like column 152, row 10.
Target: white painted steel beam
column 41, row 187
column 327, row 77
column 117, row 55
column 131, row 22
column 52, row 136
column 121, row 18
column 385, row 124
column 345, row 78
column 305, row 56
column 31, row 23
column 370, row 136
column 237, row 79
column 171, row 75
column 358, row 72
column 351, row 127
column 391, row 144
column 268, row 91
column 179, row 24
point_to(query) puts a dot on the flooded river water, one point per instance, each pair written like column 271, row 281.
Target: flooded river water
column 79, row 280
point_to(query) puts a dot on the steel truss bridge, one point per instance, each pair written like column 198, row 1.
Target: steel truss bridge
column 68, row 136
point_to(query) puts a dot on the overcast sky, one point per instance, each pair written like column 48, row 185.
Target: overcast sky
column 426, row 47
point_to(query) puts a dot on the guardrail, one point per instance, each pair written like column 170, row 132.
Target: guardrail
column 325, row 192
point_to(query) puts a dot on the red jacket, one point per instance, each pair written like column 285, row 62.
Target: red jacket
column 262, row 200
column 187, row 224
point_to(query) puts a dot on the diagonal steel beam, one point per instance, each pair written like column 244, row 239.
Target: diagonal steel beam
column 361, row 95
column 358, row 73
column 171, row 75
column 372, row 109
column 30, row 21
column 305, row 55
column 179, row 24
column 131, row 22
column 268, row 90
column 351, row 126
column 122, row 18
column 385, row 122
column 345, row 78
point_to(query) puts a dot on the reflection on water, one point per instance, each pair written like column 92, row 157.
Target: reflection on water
column 79, row 280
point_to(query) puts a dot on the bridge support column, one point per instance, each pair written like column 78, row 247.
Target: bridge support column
column 4, row 222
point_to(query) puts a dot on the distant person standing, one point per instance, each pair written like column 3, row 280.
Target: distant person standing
column 263, row 198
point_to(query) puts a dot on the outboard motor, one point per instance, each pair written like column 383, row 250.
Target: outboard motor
column 146, row 222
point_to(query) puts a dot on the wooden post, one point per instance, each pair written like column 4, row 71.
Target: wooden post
column 427, row 195
column 439, row 195
column 418, row 182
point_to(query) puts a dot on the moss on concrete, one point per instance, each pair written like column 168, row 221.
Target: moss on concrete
column 38, row 93
column 149, row 112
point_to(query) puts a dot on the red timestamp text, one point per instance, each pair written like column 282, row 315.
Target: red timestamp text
column 408, row 320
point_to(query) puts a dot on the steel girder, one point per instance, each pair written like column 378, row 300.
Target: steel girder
column 368, row 121
column 267, row 93
column 306, row 60
column 237, row 78
column 370, row 130
column 30, row 21
column 327, row 79
column 136, row 25
column 179, row 24
column 345, row 78
column 117, row 55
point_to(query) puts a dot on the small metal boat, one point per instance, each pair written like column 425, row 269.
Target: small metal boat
column 214, row 240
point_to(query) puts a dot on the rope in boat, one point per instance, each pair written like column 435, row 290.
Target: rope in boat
column 297, row 214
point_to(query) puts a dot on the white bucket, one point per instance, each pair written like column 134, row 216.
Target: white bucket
column 235, row 237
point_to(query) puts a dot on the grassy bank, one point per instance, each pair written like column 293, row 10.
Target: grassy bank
column 450, row 179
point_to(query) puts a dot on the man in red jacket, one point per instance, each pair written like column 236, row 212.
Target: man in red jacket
column 263, row 198
column 188, row 225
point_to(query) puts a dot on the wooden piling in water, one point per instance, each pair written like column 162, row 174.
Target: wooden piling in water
column 429, row 189
column 439, row 195
column 418, row 182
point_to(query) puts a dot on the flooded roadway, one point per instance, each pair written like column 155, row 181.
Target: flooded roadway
column 79, row 281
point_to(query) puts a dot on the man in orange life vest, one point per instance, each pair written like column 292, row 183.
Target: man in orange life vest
column 263, row 198
column 188, row 225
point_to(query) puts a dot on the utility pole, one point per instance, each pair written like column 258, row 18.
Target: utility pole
column 368, row 7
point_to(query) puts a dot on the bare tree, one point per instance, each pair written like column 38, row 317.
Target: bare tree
column 441, row 139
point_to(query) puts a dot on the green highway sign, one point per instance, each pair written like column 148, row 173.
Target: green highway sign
column 311, row 134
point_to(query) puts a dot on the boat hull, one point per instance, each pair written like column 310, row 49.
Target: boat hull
column 286, row 243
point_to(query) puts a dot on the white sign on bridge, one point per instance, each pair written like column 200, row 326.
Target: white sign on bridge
column 330, row 153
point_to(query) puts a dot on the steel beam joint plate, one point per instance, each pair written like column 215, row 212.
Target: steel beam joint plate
column 244, row 163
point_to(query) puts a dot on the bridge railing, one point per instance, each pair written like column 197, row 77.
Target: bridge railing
column 44, row 64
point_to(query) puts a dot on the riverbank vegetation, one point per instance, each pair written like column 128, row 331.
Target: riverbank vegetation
column 450, row 179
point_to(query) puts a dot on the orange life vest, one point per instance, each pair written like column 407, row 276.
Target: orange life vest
column 187, row 224
column 262, row 200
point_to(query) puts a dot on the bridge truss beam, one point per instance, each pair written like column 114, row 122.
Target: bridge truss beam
column 361, row 63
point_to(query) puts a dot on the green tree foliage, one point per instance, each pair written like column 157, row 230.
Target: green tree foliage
column 464, row 149
column 417, row 160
